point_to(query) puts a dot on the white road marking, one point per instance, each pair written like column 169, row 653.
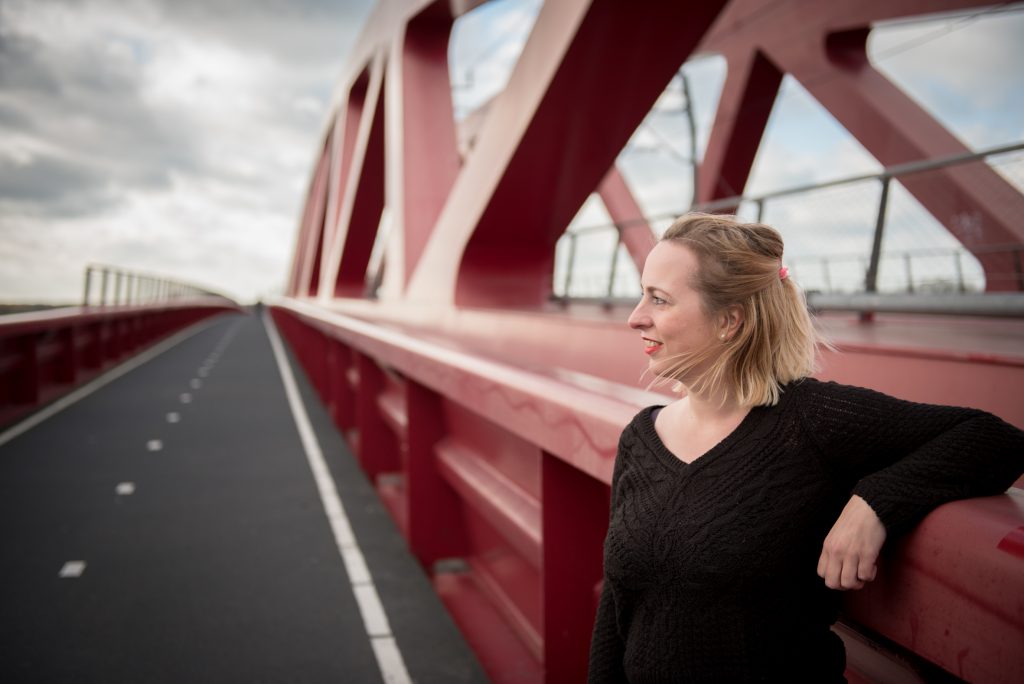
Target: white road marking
column 355, row 565
column 392, row 665
column 111, row 375
column 126, row 488
column 195, row 383
column 343, row 536
column 154, row 445
column 389, row 657
column 373, row 612
column 73, row 568
column 203, row 372
column 185, row 398
column 173, row 417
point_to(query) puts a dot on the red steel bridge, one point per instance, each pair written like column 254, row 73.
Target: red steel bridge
column 483, row 402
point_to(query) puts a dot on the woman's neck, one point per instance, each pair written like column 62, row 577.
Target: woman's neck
column 713, row 407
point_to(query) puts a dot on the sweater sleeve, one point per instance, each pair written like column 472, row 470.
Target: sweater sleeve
column 607, row 648
column 907, row 458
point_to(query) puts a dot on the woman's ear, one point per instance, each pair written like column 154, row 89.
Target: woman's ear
column 731, row 321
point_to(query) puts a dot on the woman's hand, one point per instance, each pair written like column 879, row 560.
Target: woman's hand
column 851, row 548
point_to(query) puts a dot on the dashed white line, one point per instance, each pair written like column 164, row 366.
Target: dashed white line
column 126, row 488
column 389, row 657
column 203, row 372
column 173, row 417
column 72, row 569
column 185, row 398
column 195, row 383
column 154, row 445
column 111, row 375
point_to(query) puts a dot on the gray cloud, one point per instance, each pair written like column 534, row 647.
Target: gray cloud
column 60, row 186
column 13, row 118
column 305, row 32
column 21, row 65
column 85, row 100
column 86, row 104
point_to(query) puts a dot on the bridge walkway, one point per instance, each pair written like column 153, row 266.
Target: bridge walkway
column 168, row 527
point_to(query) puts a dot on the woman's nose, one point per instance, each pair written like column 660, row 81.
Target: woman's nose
column 639, row 319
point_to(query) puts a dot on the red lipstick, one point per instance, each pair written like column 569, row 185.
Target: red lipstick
column 653, row 348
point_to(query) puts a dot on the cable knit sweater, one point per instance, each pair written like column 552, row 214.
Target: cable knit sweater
column 710, row 567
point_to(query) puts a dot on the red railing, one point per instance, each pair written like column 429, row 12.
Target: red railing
column 496, row 469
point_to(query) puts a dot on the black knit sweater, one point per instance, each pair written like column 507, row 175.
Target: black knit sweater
column 710, row 567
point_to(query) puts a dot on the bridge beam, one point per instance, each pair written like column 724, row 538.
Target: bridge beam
column 545, row 146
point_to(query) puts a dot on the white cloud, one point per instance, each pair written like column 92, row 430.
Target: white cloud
column 965, row 71
column 483, row 50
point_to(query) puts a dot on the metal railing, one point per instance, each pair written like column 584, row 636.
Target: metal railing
column 905, row 271
column 903, row 274
column 118, row 287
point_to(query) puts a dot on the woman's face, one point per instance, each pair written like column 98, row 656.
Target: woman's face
column 669, row 317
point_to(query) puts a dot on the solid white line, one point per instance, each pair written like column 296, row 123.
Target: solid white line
column 355, row 564
column 343, row 536
column 373, row 612
column 389, row 657
column 390, row 660
column 111, row 375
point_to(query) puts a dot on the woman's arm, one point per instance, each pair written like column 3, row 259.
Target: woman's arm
column 606, row 647
column 980, row 455
column 906, row 459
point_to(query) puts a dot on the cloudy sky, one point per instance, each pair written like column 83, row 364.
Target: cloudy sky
column 171, row 136
column 177, row 137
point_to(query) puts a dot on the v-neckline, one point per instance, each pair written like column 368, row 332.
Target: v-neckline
column 678, row 465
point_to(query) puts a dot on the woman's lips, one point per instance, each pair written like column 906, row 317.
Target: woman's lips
column 651, row 346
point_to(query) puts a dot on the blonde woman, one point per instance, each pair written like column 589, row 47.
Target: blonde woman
column 738, row 510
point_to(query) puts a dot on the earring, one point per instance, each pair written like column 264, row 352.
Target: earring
column 722, row 336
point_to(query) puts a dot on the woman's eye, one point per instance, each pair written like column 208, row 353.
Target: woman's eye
column 657, row 300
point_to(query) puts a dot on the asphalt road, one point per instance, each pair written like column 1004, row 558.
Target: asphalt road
column 208, row 557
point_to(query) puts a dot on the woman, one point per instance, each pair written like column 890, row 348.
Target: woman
column 720, row 565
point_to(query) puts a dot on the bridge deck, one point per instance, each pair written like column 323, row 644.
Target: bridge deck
column 221, row 564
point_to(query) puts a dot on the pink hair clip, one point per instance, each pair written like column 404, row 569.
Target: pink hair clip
column 783, row 273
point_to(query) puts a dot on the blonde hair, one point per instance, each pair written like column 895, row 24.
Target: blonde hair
column 739, row 264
